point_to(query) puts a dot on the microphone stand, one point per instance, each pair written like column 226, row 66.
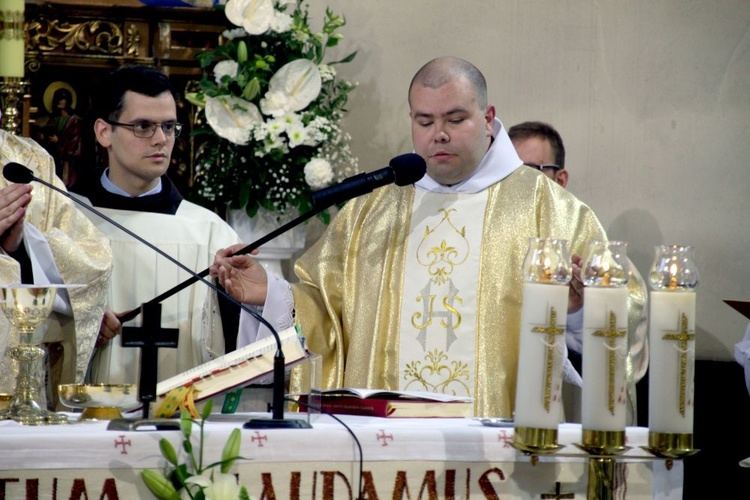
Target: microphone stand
column 277, row 421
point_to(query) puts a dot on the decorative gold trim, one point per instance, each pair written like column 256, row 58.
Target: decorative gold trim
column 550, row 331
column 98, row 37
column 611, row 334
column 11, row 24
column 535, row 441
column 683, row 337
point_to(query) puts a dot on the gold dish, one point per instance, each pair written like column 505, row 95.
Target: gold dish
column 99, row 401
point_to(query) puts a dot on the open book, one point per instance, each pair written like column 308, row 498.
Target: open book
column 394, row 404
column 238, row 368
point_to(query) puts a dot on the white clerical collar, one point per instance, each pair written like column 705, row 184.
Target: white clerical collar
column 110, row 186
column 498, row 163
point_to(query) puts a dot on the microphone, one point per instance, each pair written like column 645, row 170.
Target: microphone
column 403, row 170
column 19, row 174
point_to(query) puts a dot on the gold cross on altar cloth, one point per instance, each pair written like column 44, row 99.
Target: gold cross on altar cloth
column 611, row 334
column 551, row 330
column 683, row 337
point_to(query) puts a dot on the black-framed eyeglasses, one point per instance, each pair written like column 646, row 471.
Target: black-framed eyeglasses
column 544, row 166
column 145, row 129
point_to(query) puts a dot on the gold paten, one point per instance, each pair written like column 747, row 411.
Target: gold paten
column 99, row 401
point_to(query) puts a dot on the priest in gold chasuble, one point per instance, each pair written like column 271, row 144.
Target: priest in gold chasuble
column 420, row 287
column 59, row 246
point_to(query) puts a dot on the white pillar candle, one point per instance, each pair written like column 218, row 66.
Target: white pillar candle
column 605, row 348
column 11, row 38
column 671, row 367
column 543, row 319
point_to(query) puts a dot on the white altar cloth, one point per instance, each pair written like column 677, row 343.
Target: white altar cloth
column 409, row 457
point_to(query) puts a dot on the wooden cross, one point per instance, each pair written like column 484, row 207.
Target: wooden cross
column 611, row 334
column 551, row 330
column 557, row 495
column 683, row 337
column 150, row 336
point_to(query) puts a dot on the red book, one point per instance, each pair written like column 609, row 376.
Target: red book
column 393, row 404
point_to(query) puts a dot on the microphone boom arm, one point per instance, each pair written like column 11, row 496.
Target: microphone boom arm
column 247, row 249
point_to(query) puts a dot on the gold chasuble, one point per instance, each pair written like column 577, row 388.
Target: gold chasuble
column 366, row 284
column 81, row 256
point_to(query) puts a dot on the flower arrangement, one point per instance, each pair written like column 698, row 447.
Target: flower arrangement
column 192, row 479
column 274, row 109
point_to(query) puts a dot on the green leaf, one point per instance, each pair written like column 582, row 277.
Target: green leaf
column 196, row 99
column 206, row 412
column 168, row 451
column 243, row 493
column 159, row 485
column 347, row 59
column 231, row 450
column 186, row 423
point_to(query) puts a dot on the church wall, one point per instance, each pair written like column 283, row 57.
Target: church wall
column 652, row 100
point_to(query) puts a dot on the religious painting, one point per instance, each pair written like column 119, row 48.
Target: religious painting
column 59, row 128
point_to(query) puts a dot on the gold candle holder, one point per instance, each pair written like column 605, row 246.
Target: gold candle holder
column 670, row 446
column 535, row 441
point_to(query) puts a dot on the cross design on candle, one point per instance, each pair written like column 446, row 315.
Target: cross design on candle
column 683, row 337
column 611, row 334
column 551, row 330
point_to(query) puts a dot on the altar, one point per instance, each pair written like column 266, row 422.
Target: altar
column 400, row 458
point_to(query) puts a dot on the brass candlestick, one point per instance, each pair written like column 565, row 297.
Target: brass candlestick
column 26, row 307
column 11, row 93
column 605, row 446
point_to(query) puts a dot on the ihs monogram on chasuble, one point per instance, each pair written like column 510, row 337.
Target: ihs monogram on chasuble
column 441, row 360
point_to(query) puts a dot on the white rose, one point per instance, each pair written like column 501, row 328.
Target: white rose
column 275, row 104
column 281, row 22
column 318, row 173
column 225, row 68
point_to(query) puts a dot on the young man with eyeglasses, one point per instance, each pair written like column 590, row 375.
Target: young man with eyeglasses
column 136, row 123
column 540, row 146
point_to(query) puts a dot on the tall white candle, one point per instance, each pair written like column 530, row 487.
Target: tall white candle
column 605, row 347
column 543, row 319
column 672, row 361
column 11, row 38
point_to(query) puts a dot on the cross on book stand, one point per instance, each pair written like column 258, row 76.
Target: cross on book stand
column 150, row 337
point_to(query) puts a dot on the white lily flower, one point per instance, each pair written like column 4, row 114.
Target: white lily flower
column 253, row 15
column 219, row 487
column 232, row 117
column 292, row 88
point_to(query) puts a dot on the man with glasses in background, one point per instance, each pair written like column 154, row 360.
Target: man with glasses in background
column 540, row 146
column 136, row 123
